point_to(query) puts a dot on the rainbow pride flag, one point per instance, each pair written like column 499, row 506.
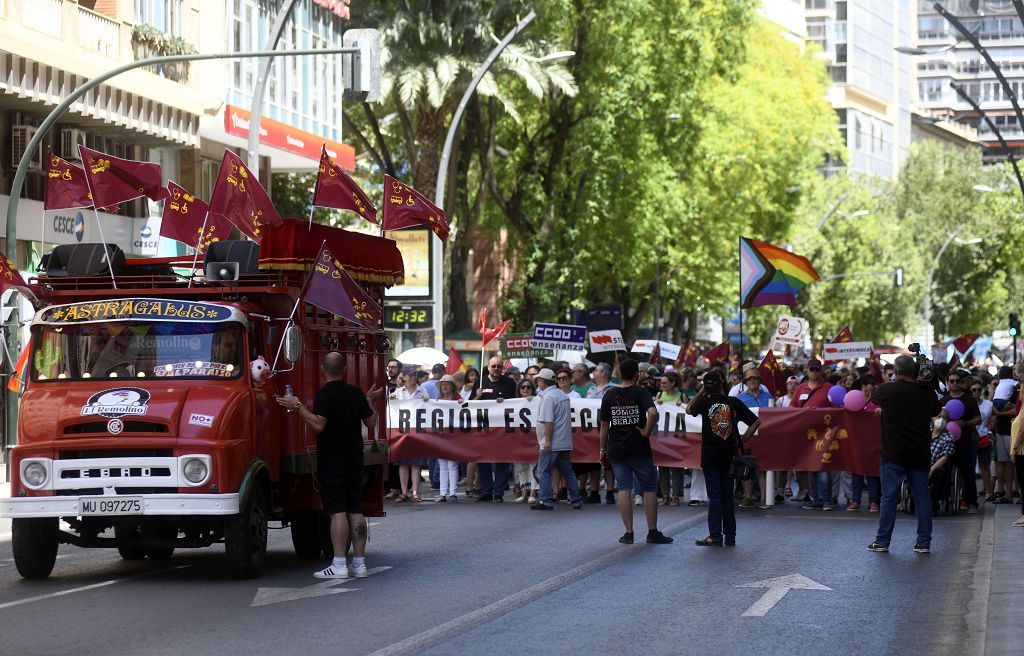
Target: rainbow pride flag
column 770, row 275
column 16, row 383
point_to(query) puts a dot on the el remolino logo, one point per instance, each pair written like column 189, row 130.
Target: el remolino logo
column 116, row 403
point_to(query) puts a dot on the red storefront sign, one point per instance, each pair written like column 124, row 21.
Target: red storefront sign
column 280, row 135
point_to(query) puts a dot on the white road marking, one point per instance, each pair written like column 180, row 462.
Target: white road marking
column 777, row 589
column 267, row 596
column 84, row 588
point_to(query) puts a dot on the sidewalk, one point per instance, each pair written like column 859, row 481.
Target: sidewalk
column 1004, row 632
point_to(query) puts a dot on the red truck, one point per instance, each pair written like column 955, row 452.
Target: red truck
column 148, row 423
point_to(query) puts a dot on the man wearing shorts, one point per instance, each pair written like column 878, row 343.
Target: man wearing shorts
column 338, row 410
column 628, row 417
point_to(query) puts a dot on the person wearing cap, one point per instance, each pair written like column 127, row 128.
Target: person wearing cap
column 554, row 437
column 720, row 440
column 430, row 387
column 791, row 384
column 755, row 395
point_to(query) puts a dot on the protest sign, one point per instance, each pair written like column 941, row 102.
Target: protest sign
column 606, row 340
column 520, row 345
column 559, row 336
column 846, row 351
column 790, row 330
column 643, row 345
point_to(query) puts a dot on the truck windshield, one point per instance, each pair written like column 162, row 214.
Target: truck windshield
column 125, row 349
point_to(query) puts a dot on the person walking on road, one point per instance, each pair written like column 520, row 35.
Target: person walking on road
column 628, row 417
column 338, row 410
column 554, row 436
column 720, row 442
column 907, row 411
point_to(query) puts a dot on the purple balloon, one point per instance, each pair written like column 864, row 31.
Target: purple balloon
column 954, row 429
column 954, row 409
column 855, row 401
column 836, row 395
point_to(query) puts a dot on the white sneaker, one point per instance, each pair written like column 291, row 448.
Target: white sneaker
column 358, row 571
column 332, row 572
column 638, row 500
column 532, row 500
column 1020, row 521
column 520, row 500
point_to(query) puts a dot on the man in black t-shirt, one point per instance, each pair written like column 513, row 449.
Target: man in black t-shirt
column 628, row 417
column 339, row 412
column 720, row 441
column 967, row 446
column 907, row 411
column 495, row 386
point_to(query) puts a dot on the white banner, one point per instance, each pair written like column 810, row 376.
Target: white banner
column 847, row 350
column 670, row 351
column 791, row 330
column 643, row 345
column 606, row 340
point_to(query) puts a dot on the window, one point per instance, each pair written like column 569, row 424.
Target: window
column 165, row 15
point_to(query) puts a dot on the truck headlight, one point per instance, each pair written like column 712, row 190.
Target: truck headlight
column 195, row 470
column 34, row 474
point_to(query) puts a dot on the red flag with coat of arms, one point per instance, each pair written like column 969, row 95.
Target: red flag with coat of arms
column 331, row 288
column 720, row 352
column 771, row 374
column 113, row 180
column 687, row 355
column 843, row 336
column 65, row 185
column 187, row 219
column 964, row 342
column 334, row 188
column 240, row 198
column 404, row 207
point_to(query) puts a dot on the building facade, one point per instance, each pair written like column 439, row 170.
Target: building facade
column 948, row 59
column 872, row 84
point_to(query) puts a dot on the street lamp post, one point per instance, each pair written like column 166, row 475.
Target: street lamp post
column 437, row 265
column 931, row 275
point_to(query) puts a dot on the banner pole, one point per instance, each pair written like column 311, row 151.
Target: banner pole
column 199, row 243
column 106, row 253
column 312, row 208
column 295, row 307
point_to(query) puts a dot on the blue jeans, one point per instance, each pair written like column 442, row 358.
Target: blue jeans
column 561, row 460
column 822, row 488
column 494, row 482
column 721, row 504
column 874, row 488
column 435, row 473
column 917, row 478
column 967, row 462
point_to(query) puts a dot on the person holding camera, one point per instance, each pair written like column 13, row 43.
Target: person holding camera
column 720, row 443
column 908, row 407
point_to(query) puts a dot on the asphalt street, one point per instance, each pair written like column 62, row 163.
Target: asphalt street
column 475, row 578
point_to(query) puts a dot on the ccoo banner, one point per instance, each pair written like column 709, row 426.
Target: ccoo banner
column 559, row 336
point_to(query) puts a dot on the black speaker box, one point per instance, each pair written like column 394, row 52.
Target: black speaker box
column 72, row 260
column 245, row 253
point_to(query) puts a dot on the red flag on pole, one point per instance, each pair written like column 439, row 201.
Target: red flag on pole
column 771, row 374
column 184, row 218
column 405, row 207
column 483, row 321
column 844, row 335
column 113, row 180
column 655, row 357
column 16, row 383
column 331, row 288
column 334, row 188
column 491, row 334
column 10, row 278
column 720, row 352
column 240, row 198
column 455, row 363
column 964, row 342
column 66, row 186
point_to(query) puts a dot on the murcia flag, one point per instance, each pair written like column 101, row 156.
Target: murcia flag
column 184, row 216
column 334, row 188
column 404, row 207
column 113, row 180
column 240, row 198
column 332, row 289
column 65, row 186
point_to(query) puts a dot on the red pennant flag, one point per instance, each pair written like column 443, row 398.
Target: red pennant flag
column 954, row 364
column 720, row 352
column 964, row 342
column 876, row 367
column 113, row 180
column 10, row 278
column 844, row 335
column 16, row 383
column 655, row 357
column 405, row 207
column 483, row 321
column 455, row 363
column 66, row 186
column 771, row 374
column 184, row 216
column 331, row 288
column 334, row 188
column 239, row 196
column 491, row 334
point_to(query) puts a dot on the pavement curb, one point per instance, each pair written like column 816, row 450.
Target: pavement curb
column 443, row 632
column 1003, row 630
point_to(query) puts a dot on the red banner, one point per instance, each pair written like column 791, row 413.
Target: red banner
column 239, row 196
column 113, row 180
column 332, row 289
column 334, row 188
column 186, row 219
column 65, row 186
column 404, row 207
column 486, row 431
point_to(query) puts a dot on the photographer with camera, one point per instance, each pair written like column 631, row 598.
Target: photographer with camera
column 908, row 406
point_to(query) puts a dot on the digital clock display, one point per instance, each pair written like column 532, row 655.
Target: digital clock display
column 408, row 318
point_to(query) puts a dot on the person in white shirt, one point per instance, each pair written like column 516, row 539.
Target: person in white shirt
column 554, row 437
column 410, row 468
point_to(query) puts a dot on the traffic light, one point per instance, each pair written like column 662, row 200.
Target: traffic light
column 1014, row 324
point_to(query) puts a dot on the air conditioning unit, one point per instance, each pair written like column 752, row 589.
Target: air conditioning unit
column 70, row 140
column 20, row 136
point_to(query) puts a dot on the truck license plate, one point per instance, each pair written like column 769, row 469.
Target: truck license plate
column 110, row 506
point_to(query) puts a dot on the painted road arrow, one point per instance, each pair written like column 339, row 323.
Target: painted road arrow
column 267, row 596
column 777, row 589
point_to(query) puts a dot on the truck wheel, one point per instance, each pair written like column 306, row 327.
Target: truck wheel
column 162, row 553
column 245, row 537
column 34, row 543
column 126, row 532
column 306, row 534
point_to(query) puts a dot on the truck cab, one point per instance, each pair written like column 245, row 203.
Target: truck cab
column 148, row 422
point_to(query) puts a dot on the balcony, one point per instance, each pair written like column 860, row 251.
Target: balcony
column 147, row 41
column 99, row 33
column 44, row 16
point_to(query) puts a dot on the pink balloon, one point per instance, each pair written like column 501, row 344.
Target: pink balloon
column 954, row 430
column 855, row 401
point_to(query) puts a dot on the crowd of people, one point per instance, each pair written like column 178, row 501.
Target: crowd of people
column 982, row 451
